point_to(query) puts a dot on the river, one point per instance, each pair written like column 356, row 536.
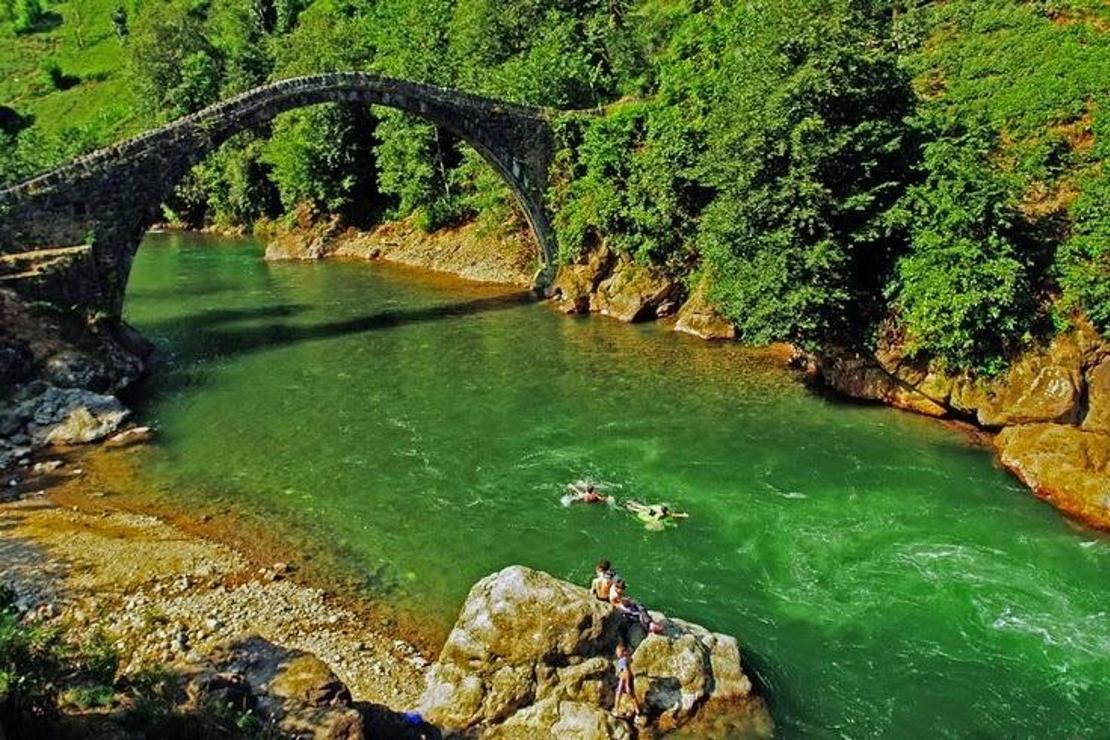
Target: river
column 884, row 577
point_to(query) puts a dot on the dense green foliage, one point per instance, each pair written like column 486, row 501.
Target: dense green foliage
column 836, row 170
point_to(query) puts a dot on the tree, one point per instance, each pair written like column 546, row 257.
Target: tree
column 119, row 23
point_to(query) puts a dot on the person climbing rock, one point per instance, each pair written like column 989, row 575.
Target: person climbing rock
column 625, row 681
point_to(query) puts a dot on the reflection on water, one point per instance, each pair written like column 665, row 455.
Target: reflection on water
column 882, row 574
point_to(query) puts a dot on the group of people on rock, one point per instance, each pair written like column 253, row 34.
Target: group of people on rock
column 608, row 586
column 653, row 514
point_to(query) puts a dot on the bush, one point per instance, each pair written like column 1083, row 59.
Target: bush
column 33, row 662
column 27, row 15
column 52, row 77
column 963, row 291
column 1084, row 260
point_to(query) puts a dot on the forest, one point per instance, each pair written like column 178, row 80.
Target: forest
column 837, row 171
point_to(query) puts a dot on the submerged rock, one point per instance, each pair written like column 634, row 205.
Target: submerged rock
column 1063, row 464
column 532, row 656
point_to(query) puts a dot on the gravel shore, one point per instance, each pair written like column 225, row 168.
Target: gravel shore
column 166, row 596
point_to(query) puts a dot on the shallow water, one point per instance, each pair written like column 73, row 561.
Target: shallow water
column 883, row 576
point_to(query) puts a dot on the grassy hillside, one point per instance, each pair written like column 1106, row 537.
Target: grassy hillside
column 95, row 104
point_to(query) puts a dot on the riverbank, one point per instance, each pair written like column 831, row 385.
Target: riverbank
column 82, row 556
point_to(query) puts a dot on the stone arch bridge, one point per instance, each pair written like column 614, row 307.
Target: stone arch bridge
column 69, row 235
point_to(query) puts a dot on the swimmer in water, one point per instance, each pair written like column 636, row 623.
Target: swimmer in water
column 654, row 513
column 587, row 495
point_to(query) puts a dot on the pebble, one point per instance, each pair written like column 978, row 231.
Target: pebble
column 46, row 467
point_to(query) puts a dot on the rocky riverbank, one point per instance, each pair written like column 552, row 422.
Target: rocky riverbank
column 221, row 625
column 466, row 251
column 529, row 656
column 1050, row 411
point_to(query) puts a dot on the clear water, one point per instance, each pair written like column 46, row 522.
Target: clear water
column 883, row 576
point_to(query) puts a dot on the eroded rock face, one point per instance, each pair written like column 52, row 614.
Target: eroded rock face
column 576, row 283
column 1041, row 387
column 532, row 656
column 614, row 285
column 1097, row 418
column 897, row 383
column 636, row 293
column 1064, row 464
column 698, row 317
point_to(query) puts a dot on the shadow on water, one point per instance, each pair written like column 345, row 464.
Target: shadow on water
column 205, row 336
column 216, row 316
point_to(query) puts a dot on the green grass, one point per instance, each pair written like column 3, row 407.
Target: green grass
column 84, row 45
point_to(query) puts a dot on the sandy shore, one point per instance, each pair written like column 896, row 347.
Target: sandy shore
column 168, row 596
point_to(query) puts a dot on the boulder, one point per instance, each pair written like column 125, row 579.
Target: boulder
column 576, row 283
column 552, row 719
column 902, row 385
column 291, row 690
column 296, row 246
column 1097, row 418
column 1041, row 387
column 700, row 318
column 533, row 656
column 636, row 292
column 1063, row 464
column 70, row 416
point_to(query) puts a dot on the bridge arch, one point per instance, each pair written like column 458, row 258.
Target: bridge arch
column 111, row 196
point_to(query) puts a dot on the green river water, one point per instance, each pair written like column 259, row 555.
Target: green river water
column 884, row 577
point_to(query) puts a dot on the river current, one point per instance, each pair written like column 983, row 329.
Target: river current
column 884, row 577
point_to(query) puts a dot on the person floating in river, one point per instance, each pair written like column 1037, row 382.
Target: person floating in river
column 603, row 580
column 654, row 514
column 586, row 494
column 625, row 686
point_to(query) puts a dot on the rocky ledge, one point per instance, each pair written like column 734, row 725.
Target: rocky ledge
column 1051, row 409
column 532, row 656
column 58, row 374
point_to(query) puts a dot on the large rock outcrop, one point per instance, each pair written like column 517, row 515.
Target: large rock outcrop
column 615, row 285
column 1063, row 464
column 702, row 319
column 532, row 656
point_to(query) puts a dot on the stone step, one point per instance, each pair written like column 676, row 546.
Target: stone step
column 19, row 265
